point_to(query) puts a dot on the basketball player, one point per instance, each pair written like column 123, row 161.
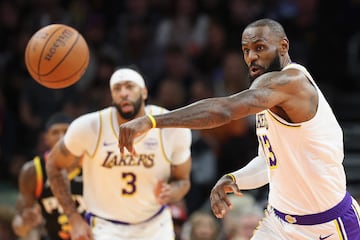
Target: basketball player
column 126, row 195
column 300, row 143
column 36, row 204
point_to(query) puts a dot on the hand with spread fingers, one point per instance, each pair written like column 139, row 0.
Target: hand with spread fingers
column 220, row 203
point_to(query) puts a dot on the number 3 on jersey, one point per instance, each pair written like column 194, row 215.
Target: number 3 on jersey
column 130, row 180
column 268, row 151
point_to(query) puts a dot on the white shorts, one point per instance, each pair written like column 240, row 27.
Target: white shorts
column 344, row 227
column 159, row 227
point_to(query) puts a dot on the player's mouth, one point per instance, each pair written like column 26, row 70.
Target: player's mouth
column 255, row 71
column 126, row 106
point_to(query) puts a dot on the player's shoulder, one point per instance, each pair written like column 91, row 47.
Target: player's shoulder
column 296, row 71
column 27, row 173
column 294, row 65
column 155, row 109
column 90, row 117
column 28, row 167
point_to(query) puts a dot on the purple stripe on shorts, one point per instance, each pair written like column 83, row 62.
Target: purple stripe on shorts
column 318, row 218
column 350, row 221
column 89, row 216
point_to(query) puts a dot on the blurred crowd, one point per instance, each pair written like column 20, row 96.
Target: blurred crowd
column 187, row 50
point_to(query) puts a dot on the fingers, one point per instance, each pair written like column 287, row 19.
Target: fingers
column 129, row 131
column 237, row 191
column 219, row 200
column 218, row 205
column 126, row 141
column 162, row 192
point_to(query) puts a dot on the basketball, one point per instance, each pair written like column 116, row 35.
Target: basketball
column 56, row 56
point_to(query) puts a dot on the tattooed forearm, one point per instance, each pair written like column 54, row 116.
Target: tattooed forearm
column 207, row 113
column 60, row 187
column 180, row 188
column 60, row 159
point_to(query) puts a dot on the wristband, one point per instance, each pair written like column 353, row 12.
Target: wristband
column 231, row 176
column 152, row 119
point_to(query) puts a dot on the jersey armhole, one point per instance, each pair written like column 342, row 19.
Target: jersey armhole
column 39, row 177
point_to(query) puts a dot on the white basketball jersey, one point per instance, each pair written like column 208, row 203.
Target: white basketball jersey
column 122, row 187
column 296, row 154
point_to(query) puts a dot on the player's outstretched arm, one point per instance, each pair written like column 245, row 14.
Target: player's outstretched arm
column 61, row 159
column 268, row 90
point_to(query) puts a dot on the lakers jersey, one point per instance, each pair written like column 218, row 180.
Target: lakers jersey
column 120, row 187
column 56, row 224
column 297, row 153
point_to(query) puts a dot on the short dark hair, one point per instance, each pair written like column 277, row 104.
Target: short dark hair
column 58, row 117
column 273, row 25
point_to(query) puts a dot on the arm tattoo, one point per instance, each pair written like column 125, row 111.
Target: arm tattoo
column 60, row 188
column 60, row 184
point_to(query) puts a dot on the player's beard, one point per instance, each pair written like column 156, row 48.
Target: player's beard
column 130, row 115
column 275, row 65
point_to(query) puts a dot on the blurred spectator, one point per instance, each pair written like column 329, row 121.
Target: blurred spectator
column 97, row 95
column 201, row 225
column 234, row 76
column 45, row 12
column 214, row 9
column 8, row 136
column 209, row 62
column 240, row 13
column 36, row 104
column 240, row 222
column 138, row 49
column 186, row 28
column 177, row 67
column 203, row 171
column 135, row 11
column 179, row 215
column 170, row 94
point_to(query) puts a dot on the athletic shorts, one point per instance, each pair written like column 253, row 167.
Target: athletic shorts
column 339, row 223
column 158, row 227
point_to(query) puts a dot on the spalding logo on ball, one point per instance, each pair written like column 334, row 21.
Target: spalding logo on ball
column 57, row 56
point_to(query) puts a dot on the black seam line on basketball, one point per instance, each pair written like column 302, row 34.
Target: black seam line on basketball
column 75, row 73
column 63, row 59
column 38, row 65
column 42, row 52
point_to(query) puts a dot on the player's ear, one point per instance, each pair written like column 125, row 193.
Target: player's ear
column 144, row 93
column 284, row 46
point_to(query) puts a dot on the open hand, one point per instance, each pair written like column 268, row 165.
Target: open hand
column 220, row 203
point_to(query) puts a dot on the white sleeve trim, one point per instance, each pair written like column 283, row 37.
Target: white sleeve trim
column 253, row 175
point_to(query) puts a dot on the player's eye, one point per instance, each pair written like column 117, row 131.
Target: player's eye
column 260, row 48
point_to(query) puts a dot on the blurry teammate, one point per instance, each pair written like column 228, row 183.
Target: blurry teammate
column 36, row 205
column 126, row 195
column 300, row 143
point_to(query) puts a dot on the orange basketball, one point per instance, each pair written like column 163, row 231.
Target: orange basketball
column 56, row 56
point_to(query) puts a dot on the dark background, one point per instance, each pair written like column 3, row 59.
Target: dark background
column 201, row 57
